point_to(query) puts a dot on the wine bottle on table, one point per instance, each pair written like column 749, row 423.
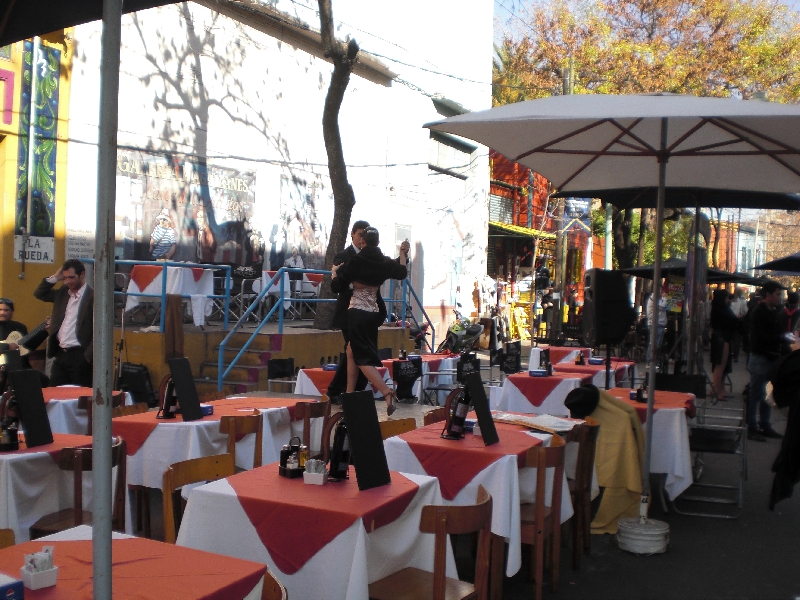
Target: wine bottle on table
column 340, row 453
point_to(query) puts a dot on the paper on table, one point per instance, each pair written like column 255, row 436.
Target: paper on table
column 536, row 421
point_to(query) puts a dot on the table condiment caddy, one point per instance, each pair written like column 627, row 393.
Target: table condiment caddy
column 293, row 459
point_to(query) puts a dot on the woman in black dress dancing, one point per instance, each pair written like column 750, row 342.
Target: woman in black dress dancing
column 366, row 271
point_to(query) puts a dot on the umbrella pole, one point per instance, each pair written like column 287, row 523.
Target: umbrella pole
column 651, row 375
column 104, row 299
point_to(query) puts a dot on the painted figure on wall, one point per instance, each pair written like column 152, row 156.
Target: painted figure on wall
column 163, row 242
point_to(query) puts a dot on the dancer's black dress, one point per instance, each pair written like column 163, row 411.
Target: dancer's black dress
column 367, row 310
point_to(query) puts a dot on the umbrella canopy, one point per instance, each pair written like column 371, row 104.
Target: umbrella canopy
column 22, row 19
column 676, row 266
column 595, row 142
column 680, row 197
column 789, row 264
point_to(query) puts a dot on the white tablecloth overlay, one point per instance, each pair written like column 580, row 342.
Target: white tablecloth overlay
column 32, row 486
column 180, row 280
column 84, row 533
column 508, row 485
column 342, row 569
column 670, row 449
column 509, row 398
column 275, row 289
column 65, row 417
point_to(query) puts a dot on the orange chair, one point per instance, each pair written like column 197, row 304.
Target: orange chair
column 305, row 411
column 242, row 425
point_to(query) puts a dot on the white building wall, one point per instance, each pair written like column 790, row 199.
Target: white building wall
column 259, row 108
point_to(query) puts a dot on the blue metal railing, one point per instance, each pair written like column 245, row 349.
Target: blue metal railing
column 279, row 279
column 163, row 295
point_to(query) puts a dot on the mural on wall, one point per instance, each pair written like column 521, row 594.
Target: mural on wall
column 170, row 207
column 41, row 174
column 303, row 222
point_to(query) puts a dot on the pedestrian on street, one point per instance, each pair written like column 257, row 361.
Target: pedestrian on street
column 766, row 337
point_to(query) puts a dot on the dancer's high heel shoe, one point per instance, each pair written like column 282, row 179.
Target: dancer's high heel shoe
column 390, row 407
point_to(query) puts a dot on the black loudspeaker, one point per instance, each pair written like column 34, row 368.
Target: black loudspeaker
column 607, row 311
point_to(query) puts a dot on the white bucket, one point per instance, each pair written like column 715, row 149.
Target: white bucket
column 643, row 537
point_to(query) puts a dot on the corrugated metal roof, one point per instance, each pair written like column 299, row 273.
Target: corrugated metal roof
column 522, row 231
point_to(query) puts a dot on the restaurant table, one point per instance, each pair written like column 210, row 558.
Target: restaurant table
column 436, row 369
column 541, row 395
column 155, row 444
column 670, row 447
column 315, row 382
column 462, row 465
column 327, row 541
column 621, row 370
column 184, row 281
column 62, row 408
column 32, row 485
column 566, row 354
column 142, row 569
column 275, row 288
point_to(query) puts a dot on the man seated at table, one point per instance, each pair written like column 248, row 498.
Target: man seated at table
column 71, row 324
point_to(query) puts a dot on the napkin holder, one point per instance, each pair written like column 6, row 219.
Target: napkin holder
column 537, row 373
column 207, row 409
column 39, row 579
column 597, row 360
column 315, row 478
column 10, row 588
column 330, row 367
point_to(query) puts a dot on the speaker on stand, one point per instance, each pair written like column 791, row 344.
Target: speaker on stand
column 607, row 311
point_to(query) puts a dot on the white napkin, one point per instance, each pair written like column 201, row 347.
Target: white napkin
column 199, row 306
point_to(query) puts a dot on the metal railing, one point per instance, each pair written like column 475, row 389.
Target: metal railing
column 283, row 298
column 226, row 297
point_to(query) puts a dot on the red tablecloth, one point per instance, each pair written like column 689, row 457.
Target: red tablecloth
column 663, row 399
column 456, row 462
column 434, row 361
column 135, row 429
column 558, row 353
column 295, row 521
column 322, row 379
column 537, row 389
column 60, row 441
column 619, row 373
column 68, row 393
column 143, row 275
column 142, row 570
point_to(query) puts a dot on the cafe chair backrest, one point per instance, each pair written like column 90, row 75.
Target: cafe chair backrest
column 239, row 425
column 397, row 427
column 195, row 470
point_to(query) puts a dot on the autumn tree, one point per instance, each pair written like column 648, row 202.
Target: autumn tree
column 344, row 57
column 701, row 47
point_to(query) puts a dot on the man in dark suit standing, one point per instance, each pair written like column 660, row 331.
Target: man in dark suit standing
column 339, row 382
column 71, row 324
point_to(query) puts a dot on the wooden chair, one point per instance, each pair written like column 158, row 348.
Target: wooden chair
column 305, row 411
column 443, row 521
column 132, row 409
column 7, row 538
column 397, row 427
column 85, row 403
column 541, row 523
column 327, row 431
column 434, row 416
column 195, row 470
column 79, row 460
column 141, row 494
column 243, row 425
column 580, row 488
column 273, row 589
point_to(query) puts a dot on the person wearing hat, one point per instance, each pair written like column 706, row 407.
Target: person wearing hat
column 766, row 338
column 163, row 242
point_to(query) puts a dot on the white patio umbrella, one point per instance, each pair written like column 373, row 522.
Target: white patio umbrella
column 583, row 142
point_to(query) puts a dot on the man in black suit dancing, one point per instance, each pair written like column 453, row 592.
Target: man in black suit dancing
column 339, row 382
column 71, row 324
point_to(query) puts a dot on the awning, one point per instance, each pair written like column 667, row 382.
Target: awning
column 523, row 232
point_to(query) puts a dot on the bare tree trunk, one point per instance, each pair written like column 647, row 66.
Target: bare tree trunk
column 344, row 57
column 644, row 225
